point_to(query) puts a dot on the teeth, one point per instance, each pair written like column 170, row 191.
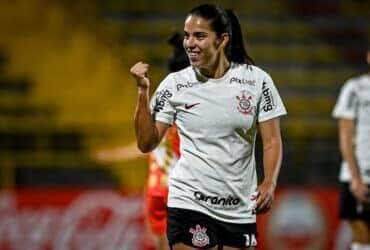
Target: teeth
column 193, row 53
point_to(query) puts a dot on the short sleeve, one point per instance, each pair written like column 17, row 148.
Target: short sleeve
column 270, row 105
column 346, row 103
column 160, row 104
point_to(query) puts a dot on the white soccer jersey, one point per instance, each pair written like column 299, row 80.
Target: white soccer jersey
column 217, row 123
column 354, row 103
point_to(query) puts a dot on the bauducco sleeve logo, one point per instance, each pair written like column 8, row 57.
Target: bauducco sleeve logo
column 161, row 99
column 268, row 100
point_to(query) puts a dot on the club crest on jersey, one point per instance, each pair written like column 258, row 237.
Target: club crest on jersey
column 245, row 105
column 200, row 237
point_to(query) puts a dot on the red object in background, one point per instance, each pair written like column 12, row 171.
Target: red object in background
column 301, row 218
column 61, row 219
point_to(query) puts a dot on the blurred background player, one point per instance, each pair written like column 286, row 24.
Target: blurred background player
column 353, row 113
column 161, row 160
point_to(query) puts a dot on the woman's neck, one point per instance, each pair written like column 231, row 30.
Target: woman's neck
column 217, row 70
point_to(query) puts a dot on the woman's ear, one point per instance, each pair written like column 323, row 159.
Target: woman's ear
column 224, row 40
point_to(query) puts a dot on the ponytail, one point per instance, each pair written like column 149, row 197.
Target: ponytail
column 238, row 53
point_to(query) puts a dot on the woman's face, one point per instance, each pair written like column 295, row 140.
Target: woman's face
column 201, row 43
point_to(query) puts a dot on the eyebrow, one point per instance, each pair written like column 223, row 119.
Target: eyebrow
column 197, row 33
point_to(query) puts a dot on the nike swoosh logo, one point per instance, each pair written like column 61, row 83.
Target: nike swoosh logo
column 189, row 106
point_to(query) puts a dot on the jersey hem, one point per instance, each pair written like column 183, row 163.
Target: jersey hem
column 163, row 119
column 343, row 116
column 282, row 113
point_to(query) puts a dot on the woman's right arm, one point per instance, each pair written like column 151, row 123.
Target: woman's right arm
column 346, row 135
column 148, row 132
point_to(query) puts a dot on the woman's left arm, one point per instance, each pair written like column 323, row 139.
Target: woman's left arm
column 272, row 156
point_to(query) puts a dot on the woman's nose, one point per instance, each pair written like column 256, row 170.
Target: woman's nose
column 189, row 42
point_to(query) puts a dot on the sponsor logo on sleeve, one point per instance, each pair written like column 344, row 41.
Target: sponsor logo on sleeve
column 161, row 99
column 351, row 100
column 268, row 100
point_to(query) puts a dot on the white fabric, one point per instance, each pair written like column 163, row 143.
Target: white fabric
column 359, row 246
column 354, row 103
column 217, row 123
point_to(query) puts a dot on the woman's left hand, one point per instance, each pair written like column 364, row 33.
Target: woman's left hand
column 265, row 196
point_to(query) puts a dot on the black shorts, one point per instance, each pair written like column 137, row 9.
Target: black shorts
column 350, row 208
column 202, row 231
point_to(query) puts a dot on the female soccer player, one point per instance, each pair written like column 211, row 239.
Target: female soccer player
column 217, row 104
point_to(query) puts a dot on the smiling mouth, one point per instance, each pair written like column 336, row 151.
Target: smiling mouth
column 194, row 56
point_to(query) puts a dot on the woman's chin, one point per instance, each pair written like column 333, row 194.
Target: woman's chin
column 195, row 63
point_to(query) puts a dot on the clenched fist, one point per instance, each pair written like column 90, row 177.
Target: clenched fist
column 140, row 72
